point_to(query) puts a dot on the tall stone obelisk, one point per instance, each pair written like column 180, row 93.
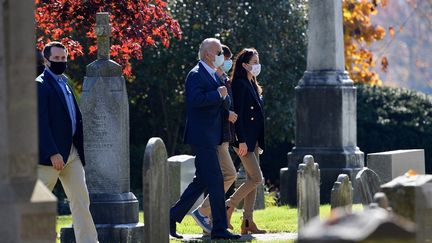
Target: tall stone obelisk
column 105, row 111
column 326, row 115
column 27, row 208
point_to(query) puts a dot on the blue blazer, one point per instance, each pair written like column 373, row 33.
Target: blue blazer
column 204, row 108
column 55, row 126
column 248, row 105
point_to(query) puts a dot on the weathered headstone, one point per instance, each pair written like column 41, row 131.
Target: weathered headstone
column 27, row 207
column 380, row 200
column 373, row 225
column 367, row 184
column 391, row 164
column 326, row 115
column 342, row 193
column 308, row 191
column 105, row 111
column 283, row 185
column 155, row 184
column 411, row 197
column 181, row 170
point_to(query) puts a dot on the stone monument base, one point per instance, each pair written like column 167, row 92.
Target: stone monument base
column 110, row 233
column 122, row 208
column 28, row 214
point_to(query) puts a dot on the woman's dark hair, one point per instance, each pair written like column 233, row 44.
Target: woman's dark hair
column 226, row 51
column 239, row 72
column 47, row 49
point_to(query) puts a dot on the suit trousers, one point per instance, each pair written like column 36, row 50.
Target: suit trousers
column 228, row 171
column 72, row 178
column 247, row 190
column 208, row 176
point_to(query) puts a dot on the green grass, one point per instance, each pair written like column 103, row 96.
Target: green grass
column 273, row 219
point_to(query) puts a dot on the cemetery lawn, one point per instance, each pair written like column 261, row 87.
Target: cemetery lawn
column 274, row 219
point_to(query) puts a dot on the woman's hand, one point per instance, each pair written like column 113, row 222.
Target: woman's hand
column 243, row 149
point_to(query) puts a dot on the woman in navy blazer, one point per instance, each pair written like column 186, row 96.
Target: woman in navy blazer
column 249, row 130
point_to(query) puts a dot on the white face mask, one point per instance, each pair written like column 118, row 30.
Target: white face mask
column 227, row 65
column 256, row 69
column 219, row 60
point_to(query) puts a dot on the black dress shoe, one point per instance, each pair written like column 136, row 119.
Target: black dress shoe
column 225, row 236
column 173, row 232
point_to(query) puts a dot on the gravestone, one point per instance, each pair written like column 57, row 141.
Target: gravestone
column 283, row 185
column 155, row 183
column 391, row 164
column 342, row 193
column 380, row 200
column 326, row 115
column 367, row 184
column 27, row 208
column 181, row 170
column 411, row 197
column 373, row 225
column 308, row 191
column 105, row 111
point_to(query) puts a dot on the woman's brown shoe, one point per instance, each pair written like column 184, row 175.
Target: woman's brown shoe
column 249, row 225
column 229, row 213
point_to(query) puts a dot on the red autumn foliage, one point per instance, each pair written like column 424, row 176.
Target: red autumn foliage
column 135, row 24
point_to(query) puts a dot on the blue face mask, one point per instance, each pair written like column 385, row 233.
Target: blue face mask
column 227, row 65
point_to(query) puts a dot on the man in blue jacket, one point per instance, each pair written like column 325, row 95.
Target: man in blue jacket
column 206, row 100
column 61, row 150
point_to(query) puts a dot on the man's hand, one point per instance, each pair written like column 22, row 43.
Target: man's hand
column 232, row 117
column 222, row 91
column 57, row 161
column 243, row 149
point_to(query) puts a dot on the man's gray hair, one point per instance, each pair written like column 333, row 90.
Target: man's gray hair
column 205, row 46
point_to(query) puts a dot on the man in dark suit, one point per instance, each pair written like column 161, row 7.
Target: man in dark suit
column 61, row 150
column 206, row 99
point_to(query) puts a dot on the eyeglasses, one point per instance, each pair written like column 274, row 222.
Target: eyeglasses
column 219, row 53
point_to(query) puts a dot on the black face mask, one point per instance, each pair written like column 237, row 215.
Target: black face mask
column 58, row 67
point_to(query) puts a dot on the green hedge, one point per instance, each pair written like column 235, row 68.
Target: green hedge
column 394, row 118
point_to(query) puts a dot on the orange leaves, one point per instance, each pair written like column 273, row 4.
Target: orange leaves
column 391, row 31
column 150, row 41
column 384, row 64
column 359, row 33
column 135, row 24
column 92, row 49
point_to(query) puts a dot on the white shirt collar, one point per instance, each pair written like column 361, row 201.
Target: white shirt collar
column 210, row 70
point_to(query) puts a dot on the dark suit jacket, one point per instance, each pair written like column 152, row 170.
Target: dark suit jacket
column 204, row 108
column 248, row 105
column 55, row 126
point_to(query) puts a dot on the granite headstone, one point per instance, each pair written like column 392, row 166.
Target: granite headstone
column 105, row 111
column 155, row 186
column 326, row 109
column 411, row 197
column 391, row 164
column 367, row 184
column 342, row 193
column 27, row 207
column 308, row 190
